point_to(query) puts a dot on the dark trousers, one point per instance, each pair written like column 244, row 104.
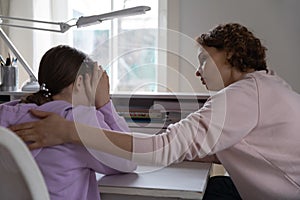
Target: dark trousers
column 221, row 188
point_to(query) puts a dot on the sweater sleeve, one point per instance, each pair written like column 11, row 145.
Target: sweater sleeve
column 223, row 121
column 112, row 118
column 89, row 116
column 108, row 164
column 99, row 161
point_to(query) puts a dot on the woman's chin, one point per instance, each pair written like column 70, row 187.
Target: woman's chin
column 214, row 88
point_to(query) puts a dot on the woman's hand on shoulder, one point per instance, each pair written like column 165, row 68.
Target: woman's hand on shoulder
column 49, row 131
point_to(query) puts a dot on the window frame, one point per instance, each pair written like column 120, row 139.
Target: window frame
column 168, row 20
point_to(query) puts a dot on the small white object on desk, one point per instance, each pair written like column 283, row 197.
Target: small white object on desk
column 186, row 180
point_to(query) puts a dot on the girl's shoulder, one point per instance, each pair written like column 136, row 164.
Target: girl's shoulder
column 16, row 107
column 13, row 111
column 59, row 107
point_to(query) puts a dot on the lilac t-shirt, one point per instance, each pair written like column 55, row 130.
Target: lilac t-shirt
column 69, row 170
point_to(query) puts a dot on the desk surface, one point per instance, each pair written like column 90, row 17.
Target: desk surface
column 185, row 180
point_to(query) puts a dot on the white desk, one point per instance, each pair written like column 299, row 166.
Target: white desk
column 185, row 180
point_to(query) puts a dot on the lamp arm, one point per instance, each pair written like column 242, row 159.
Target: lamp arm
column 89, row 20
column 82, row 21
column 63, row 27
column 18, row 55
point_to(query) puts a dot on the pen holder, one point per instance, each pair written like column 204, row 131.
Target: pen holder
column 9, row 78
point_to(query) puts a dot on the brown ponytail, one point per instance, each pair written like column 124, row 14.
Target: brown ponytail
column 37, row 98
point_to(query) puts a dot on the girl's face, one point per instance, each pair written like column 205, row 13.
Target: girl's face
column 214, row 69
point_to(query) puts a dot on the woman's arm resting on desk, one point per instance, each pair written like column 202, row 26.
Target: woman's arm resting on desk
column 208, row 159
column 40, row 134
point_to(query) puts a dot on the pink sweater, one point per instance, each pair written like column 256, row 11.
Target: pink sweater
column 252, row 126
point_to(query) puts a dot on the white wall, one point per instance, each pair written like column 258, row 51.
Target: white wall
column 26, row 39
column 275, row 22
column 22, row 38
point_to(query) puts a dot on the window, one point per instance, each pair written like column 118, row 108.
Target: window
column 125, row 47
column 141, row 53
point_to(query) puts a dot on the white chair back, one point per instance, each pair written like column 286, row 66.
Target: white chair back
column 20, row 177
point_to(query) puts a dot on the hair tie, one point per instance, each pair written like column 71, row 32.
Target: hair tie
column 45, row 90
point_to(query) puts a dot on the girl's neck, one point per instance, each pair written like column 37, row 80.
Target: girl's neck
column 64, row 95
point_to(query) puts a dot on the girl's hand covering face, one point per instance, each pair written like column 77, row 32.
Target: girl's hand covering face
column 91, row 82
column 102, row 93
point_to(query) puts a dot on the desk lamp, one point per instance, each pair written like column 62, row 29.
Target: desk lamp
column 62, row 27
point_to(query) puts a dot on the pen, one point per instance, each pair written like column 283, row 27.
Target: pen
column 8, row 61
column 14, row 61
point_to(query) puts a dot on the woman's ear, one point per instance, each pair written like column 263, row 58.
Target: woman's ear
column 229, row 55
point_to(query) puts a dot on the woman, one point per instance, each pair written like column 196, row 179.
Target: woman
column 250, row 124
column 69, row 170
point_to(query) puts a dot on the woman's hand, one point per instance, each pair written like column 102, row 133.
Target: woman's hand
column 41, row 133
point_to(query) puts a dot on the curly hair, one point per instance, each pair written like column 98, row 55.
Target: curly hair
column 247, row 50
